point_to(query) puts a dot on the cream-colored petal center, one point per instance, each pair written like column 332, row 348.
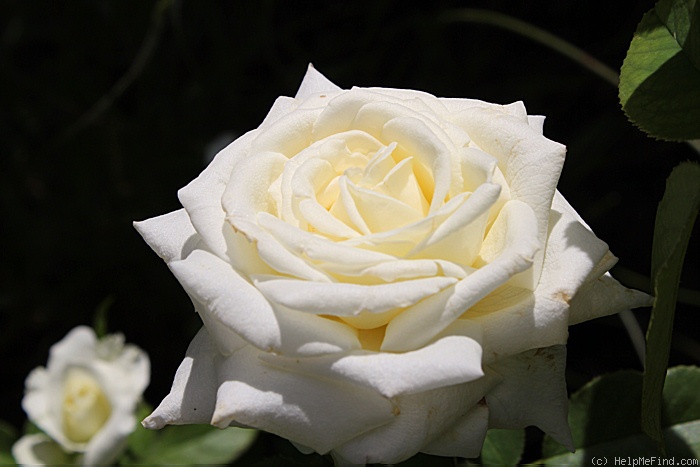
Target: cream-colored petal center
column 85, row 406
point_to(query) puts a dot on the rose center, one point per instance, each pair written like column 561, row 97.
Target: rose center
column 85, row 406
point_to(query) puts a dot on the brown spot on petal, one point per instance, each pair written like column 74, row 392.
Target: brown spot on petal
column 396, row 410
column 482, row 402
column 562, row 297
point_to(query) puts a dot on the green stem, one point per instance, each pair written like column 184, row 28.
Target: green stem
column 475, row 15
column 139, row 63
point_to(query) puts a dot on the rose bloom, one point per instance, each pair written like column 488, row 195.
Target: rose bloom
column 84, row 400
column 381, row 272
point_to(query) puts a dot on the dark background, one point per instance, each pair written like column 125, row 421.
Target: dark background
column 174, row 78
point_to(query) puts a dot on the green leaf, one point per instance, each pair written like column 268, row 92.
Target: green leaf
column 605, row 420
column 192, row 445
column 681, row 18
column 7, row 459
column 503, row 447
column 285, row 454
column 660, row 77
column 141, row 440
column 675, row 218
column 8, row 436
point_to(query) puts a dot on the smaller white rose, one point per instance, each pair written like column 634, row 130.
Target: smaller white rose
column 84, row 400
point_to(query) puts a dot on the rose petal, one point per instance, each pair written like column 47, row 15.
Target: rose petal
column 401, row 241
column 317, row 249
column 293, row 405
column 281, row 107
column 229, row 300
column 247, row 193
column 422, row 418
column 313, row 83
column 192, row 397
column 340, row 152
column 459, row 237
column 401, row 183
column 458, row 106
column 38, row 449
column 532, row 392
column 307, row 335
column 171, row 235
column 463, row 439
column 604, row 296
column 326, row 222
column 429, row 149
column 341, row 111
column 233, row 301
column 245, row 198
column 531, row 163
column 541, row 318
column 573, row 252
column 304, row 334
column 288, row 135
column 510, row 247
column 391, row 375
column 540, row 321
column 536, row 122
column 346, row 209
column 380, row 212
column 341, row 299
column 476, row 167
column 277, row 257
column 391, row 271
column 201, row 198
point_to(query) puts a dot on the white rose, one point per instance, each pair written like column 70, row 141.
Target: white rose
column 382, row 272
column 84, row 400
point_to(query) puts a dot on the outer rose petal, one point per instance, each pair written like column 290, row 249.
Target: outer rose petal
column 604, row 296
column 465, row 438
column 295, row 405
column 236, row 304
column 201, row 198
column 171, row 235
column 341, row 299
column 530, row 162
column 124, row 379
column 573, row 251
column 532, row 392
column 539, row 320
column 396, row 374
column 38, row 449
column 422, row 419
column 314, row 83
column 193, row 395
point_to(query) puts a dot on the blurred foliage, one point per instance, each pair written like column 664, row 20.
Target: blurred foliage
column 108, row 107
column 618, row 395
column 503, row 447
